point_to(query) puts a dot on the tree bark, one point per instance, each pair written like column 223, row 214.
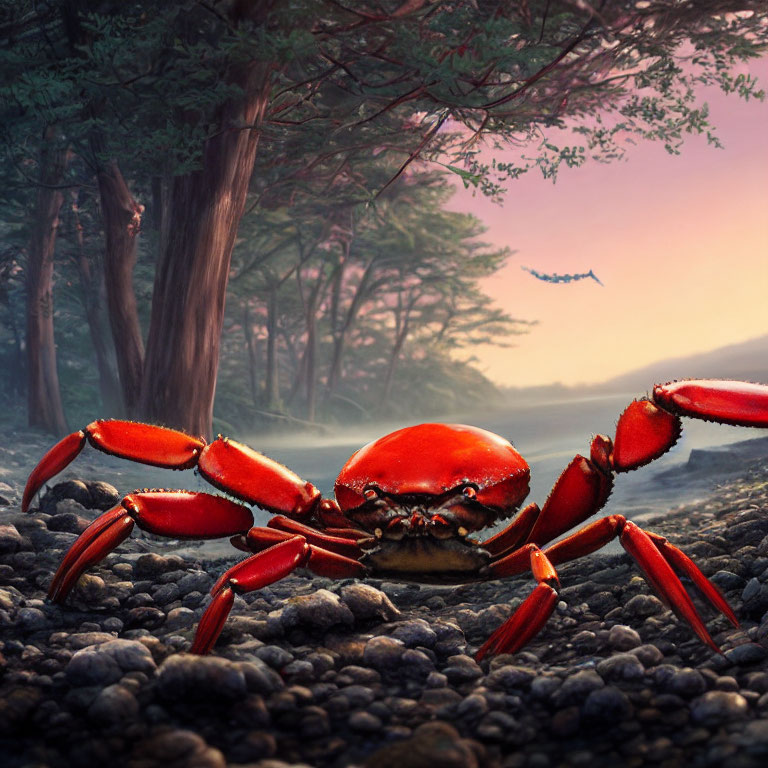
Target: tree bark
column 122, row 220
column 403, row 317
column 250, row 346
column 342, row 332
column 94, row 299
column 45, row 408
column 272, row 380
column 205, row 208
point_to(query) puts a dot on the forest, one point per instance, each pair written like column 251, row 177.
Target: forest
column 228, row 214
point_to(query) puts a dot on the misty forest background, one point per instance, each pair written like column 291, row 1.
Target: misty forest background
column 238, row 209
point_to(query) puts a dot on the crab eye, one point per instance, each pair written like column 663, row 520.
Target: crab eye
column 469, row 491
column 370, row 494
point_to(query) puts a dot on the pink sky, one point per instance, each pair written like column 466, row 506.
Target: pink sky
column 680, row 243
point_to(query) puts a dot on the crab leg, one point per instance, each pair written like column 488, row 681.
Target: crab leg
column 178, row 514
column 260, row 570
column 226, row 464
column 646, row 430
column 532, row 615
column 515, row 533
column 655, row 557
column 282, row 528
column 158, row 446
column 728, row 402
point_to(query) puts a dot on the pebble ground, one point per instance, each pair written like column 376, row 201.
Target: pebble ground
column 311, row 672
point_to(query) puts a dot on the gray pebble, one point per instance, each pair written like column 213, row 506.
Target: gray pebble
column 685, row 682
column 365, row 722
column 275, row 656
column 623, row 638
column 367, row 602
column 643, row 605
column 748, row 653
column 510, row 677
column 10, row 539
column 196, row 581
column 320, row 610
column 544, row 687
column 461, row 669
column 176, row 749
column 200, row 677
column 413, row 632
column 31, row 619
column 621, row 666
column 717, row 707
column 108, row 662
column 179, row 618
column 383, row 653
column 115, row 704
column 68, row 521
column 648, row 654
column 165, row 593
column 577, row 687
column 415, row 664
column 607, row 704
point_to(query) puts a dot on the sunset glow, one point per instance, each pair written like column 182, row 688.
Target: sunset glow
column 680, row 243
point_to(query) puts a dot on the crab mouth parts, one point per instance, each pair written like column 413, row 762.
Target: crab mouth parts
column 395, row 518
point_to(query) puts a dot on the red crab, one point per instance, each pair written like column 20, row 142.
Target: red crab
column 405, row 507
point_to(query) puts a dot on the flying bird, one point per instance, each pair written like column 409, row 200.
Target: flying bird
column 555, row 278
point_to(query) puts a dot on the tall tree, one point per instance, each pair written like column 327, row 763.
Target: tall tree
column 45, row 409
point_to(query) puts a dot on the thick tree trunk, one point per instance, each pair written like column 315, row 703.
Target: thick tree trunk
column 43, row 396
column 190, row 283
column 122, row 220
column 94, row 299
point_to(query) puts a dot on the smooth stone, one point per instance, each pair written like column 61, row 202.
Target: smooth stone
column 115, row 704
column 320, row 610
column 108, row 662
column 367, row 602
column 623, row 638
column 197, row 678
column 717, row 707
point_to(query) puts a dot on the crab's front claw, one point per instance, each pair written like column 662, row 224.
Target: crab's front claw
column 94, row 543
column 51, row 464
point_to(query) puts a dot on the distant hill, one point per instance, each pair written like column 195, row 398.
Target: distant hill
column 747, row 361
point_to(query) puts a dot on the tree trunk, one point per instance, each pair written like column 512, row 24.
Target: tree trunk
column 272, row 380
column 122, row 220
column 45, row 409
column 403, row 318
column 94, row 295
column 250, row 345
column 190, row 283
column 342, row 332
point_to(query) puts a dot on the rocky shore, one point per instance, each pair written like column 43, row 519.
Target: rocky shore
column 312, row 672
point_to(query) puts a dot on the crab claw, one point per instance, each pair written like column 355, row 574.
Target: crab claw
column 95, row 542
column 51, row 464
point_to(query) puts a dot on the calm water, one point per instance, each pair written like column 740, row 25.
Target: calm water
column 549, row 435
